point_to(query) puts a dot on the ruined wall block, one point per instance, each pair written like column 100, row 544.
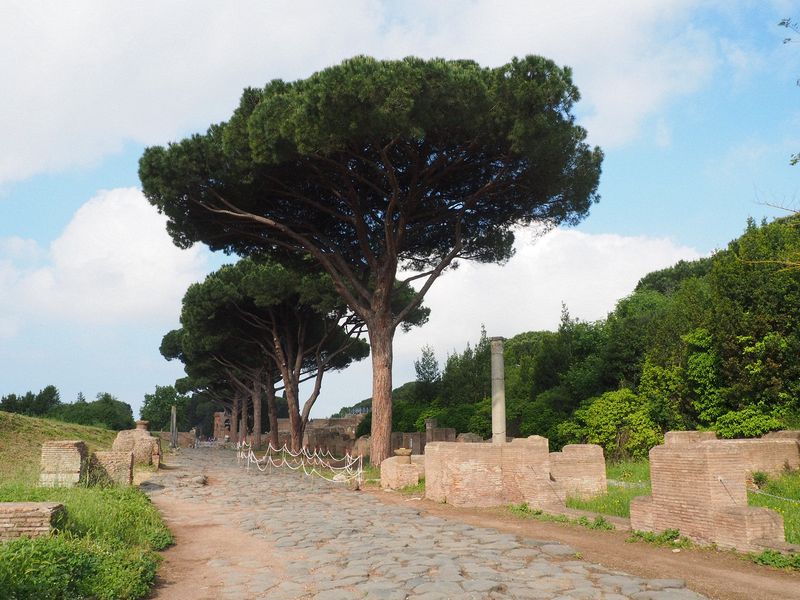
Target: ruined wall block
column 63, row 463
column 770, row 455
column 396, row 473
column 30, row 519
column 678, row 438
column 146, row 448
column 579, row 470
column 118, row 466
column 484, row 475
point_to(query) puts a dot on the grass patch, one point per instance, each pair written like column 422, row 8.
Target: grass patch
column 105, row 547
column 21, row 440
column 414, row 490
column 629, row 471
column 616, row 502
column 671, row 538
column 786, row 486
column 526, row 512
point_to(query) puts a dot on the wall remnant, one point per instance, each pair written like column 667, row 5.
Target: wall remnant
column 117, row 466
column 186, row 439
column 146, row 448
column 29, row 519
column 64, row 463
column 579, row 470
column 699, row 488
column 398, row 471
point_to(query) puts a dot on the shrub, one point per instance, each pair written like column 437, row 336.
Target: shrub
column 746, row 423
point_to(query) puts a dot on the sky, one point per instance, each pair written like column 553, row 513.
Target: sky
column 694, row 103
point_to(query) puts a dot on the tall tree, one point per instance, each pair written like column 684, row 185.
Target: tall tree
column 375, row 166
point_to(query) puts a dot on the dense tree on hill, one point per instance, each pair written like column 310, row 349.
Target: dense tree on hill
column 374, row 166
column 33, row 405
column 106, row 411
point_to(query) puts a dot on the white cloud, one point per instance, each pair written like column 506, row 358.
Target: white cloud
column 589, row 273
column 87, row 77
column 113, row 263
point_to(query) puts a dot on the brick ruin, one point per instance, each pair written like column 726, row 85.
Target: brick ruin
column 523, row 470
column 186, row 439
column 146, row 448
column 30, row 519
column 63, row 463
column 116, row 466
column 699, row 488
column 401, row 471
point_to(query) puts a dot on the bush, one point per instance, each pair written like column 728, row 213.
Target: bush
column 105, row 548
column 746, row 423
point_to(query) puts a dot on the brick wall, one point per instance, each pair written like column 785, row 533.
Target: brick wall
column 485, row 475
column 579, row 470
column 63, row 463
column 117, row 466
column 186, row 439
column 398, row 472
column 699, row 489
column 31, row 519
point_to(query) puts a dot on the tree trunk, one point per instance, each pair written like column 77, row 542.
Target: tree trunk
column 256, row 399
column 235, row 420
column 272, row 414
column 381, row 333
column 295, row 422
column 243, row 419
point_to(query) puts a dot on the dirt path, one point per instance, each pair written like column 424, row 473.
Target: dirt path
column 718, row 575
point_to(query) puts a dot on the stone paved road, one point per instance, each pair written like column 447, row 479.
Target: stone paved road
column 329, row 543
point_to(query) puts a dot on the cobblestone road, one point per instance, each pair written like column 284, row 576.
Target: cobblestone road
column 335, row 544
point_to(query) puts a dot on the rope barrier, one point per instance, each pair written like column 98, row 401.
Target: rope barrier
column 317, row 463
column 774, row 496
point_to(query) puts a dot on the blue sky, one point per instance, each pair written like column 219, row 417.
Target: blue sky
column 694, row 103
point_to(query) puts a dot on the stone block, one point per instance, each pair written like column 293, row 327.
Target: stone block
column 579, row 470
column 117, row 466
column 397, row 472
column 146, row 448
column 29, row 519
column 63, row 463
column 770, row 455
column 642, row 513
column 678, row 438
column 748, row 528
column 469, row 438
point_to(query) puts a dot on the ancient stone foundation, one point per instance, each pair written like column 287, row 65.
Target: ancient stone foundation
column 63, row 463
column 579, row 470
column 401, row 471
column 699, row 488
column 485, row 475
column 522, row 470
column 146, row 448
column 186, row 439
column 30, row 519
column 117, row 466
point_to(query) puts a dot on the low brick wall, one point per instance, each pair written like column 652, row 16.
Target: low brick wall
column 117, row 466
column 397, row 472
column 186, row 439
column 484, row 475
column 579, row 470
column 699, row 489
column 63, row 463
column 30, row 519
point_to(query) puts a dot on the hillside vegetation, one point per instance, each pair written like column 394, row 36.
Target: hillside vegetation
column 21, row 440
column 707, row 344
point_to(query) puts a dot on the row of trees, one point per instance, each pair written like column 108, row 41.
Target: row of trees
column 369, row 169
column 708, row 344
column 106, row 411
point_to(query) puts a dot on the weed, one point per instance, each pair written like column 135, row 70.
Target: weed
column 760, row 478
column 668, row 537
column 526, row 512
column 773, row 558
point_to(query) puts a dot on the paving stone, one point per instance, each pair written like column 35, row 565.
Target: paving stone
column 332, row 544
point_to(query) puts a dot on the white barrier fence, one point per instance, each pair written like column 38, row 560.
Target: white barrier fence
column 347, row 469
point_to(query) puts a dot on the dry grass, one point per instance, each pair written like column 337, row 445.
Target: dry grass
column 21, row 440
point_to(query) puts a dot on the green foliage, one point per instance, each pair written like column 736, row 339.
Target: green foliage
column 784, row 499
column 105, row 411
column 629, row 471
column 773, row 558
column 365, row 426
column 526, row 512
column 616, row 501
column 104, row 550
column 31, row 404
column 760, row 478
column 157, row 409
column 618, row 421
column 746, row 423
column 671, row 538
